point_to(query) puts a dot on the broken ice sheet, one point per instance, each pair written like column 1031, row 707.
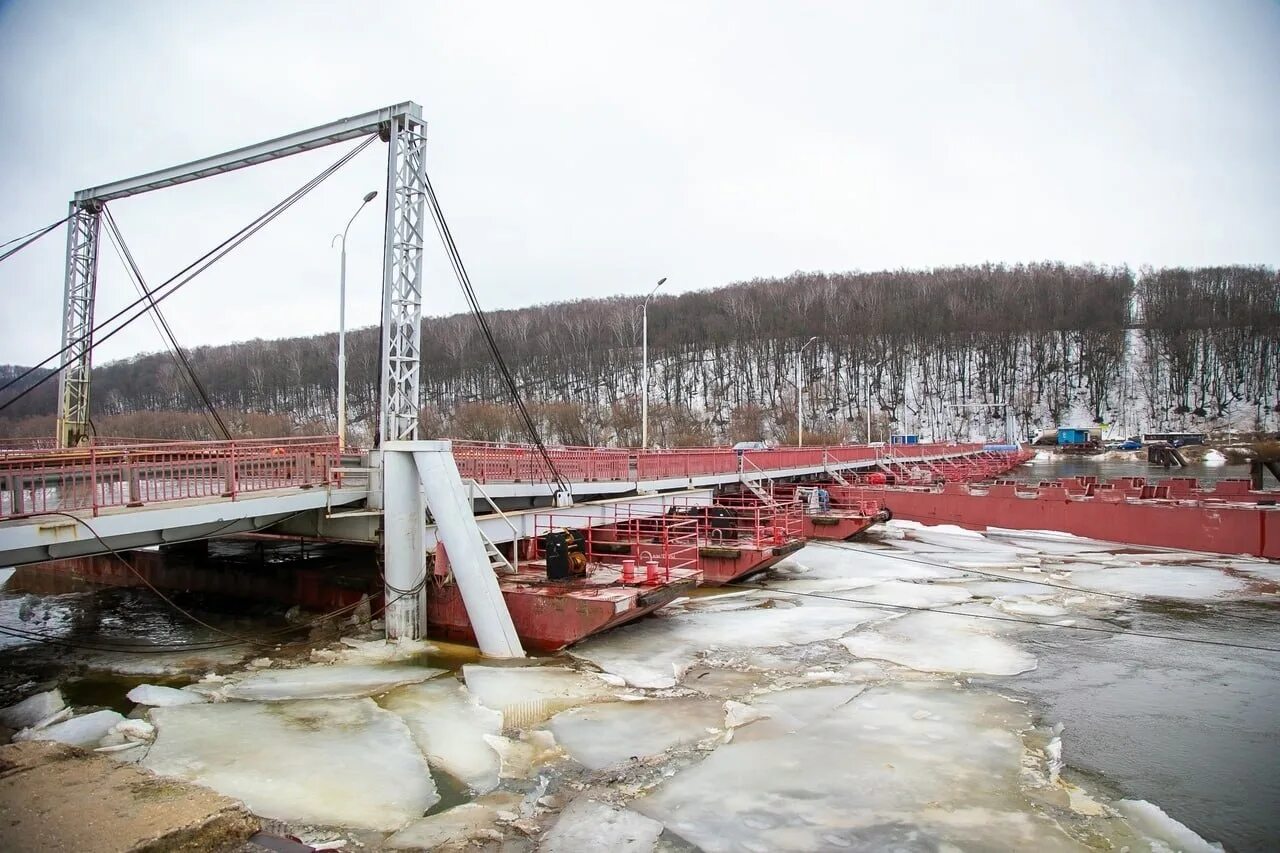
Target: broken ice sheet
column 817, row 568
column 326, row 682
column 612, row 733
column 85, row 730
column 330, row 762
column 527, row 695
column 587, row 824
column 1191, row 583
column 450, row 727
column 943, row 642
column 654, row 653
column 918, row 766
column 474, row 821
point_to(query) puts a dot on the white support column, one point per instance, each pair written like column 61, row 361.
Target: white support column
column 452, row 510
column 403, row 547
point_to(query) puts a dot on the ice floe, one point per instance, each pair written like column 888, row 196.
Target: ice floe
column 32, row 710
column 611, row 733
column 450, row 727
column 338, row 681
column 475, row 821
column 158, row 696
column 526, row 695
column 1193, row 583
column 655, row 653
column 588, row 824
column 909, row 767
column 85, row 730
column 329, row 762
column 942, row 642
column 1150, row 820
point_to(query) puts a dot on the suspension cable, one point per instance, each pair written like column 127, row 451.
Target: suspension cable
column 482, row 322
column 30, row 238
column 190, row 272
column 180, row 355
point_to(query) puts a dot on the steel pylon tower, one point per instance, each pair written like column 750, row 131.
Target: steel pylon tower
column 403, row 128
column 402, row 278
column 77, row 322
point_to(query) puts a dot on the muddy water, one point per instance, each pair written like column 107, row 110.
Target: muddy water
column 1191, row 727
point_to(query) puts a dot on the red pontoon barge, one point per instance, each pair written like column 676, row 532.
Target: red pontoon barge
column 739, row 535
column 1175, row 513
column 577, row 581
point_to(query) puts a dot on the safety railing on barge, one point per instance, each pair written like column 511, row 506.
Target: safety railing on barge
column 102, row 476
column 630, row 535
column 743, row 520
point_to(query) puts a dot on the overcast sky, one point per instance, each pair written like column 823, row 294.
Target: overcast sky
column 589, row 149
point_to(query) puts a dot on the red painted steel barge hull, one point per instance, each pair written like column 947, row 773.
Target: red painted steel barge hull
column 548, row 615
column 726, row 564
column 835, row 526
column 1224, row 526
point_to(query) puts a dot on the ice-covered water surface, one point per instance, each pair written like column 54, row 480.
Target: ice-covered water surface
column 655, row 653
column 600, row 736
column 911, row 767
column 340, row 762
column 450, row 727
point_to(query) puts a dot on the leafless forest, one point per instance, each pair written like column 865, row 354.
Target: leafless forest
column 960, row 351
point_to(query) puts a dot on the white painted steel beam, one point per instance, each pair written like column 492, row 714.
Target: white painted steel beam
column 251, row 155
column 52, row 537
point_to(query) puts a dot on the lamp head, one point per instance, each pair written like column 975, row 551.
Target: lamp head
column 370, row 196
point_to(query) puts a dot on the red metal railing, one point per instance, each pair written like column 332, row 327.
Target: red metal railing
column 521, row 463
column 130, row 472
column 743, row 521
column 629, row 532
column 96, row 477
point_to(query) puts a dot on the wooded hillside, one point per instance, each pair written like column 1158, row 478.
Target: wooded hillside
column 935, row 352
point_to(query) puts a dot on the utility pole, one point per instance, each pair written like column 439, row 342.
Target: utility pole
column 799, row 398
column 342, row 326
column 644, row 396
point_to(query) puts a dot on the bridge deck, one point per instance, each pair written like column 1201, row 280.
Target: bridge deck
column 134, row 494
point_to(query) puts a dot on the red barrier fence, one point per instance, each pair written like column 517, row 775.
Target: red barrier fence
column 101, row 476
column 131, row 472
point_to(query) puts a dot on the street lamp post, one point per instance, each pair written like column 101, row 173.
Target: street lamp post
column 799, row 398
column 644, row 395
column 342, row 325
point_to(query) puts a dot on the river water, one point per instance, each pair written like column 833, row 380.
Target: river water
column 1107, row 469
column 1190, row 727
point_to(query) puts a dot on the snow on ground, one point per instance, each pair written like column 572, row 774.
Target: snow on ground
column 450, row 728
column 333, row 762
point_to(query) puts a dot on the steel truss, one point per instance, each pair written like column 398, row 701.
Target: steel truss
column 77, row 323
column 402, row 279
column 402, row 127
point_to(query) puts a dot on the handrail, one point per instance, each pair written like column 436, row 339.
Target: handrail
column 472, row 488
